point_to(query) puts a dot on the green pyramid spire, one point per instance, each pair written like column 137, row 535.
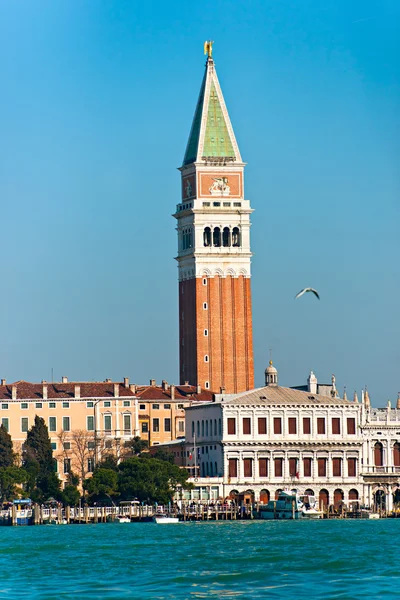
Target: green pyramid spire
column 211, row 134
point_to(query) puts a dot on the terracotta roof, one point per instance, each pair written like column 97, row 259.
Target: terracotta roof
column 34, row 391
column 271, row 394
column 182, row 393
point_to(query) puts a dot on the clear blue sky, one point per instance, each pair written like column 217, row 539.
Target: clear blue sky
column 96, row 103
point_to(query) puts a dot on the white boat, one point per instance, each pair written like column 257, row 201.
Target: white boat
column 121, row 519
column 368, row 514
column 291, row 506
column 164, row 519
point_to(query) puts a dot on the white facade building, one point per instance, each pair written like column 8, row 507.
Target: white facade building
column 259, row 442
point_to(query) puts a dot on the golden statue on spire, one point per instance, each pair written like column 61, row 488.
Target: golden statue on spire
column 208, row 48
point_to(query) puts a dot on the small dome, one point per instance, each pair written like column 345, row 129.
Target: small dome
column 271, row 375
column 270, row 368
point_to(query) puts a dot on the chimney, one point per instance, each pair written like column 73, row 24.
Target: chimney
column 107, row 380
column 3, row 382
column 14, row 392
column 398, row 400
column 164, row 385
column 172, row 388
column 132, row 387
column 198, row 389
column 44, row 393
column 64, row 379
column 186, row 383
column 116, row 390
column 126, row 382
column 222, row 390
column 77, row 391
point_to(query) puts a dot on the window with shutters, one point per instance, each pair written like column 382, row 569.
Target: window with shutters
column 248, row 467
column 321, row 425
column 263, row 467
column 232, row 462
column 107, row 423
column 335, row 426
column 336, row 467
column 352, row 467
column 292, row 467
column 231, row 426
column 307, row 467
column 262, row 426
column 292, row 423
column 277, row 425
column 378, row 454
column 167, row 425
column 278, row 467
column 246, row 426
column 351, row 426
column 396, row 455
column 322, row 467
column 306, row 425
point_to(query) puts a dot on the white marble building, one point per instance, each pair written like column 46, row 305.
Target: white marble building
column 258, row 442
column 381, row 454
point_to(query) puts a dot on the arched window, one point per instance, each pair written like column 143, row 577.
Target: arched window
column 215, row 426
column 378, row 454
column 219, row 427
column 202, row 429
column 211, row 470
column 217, row 237
column 226, row 237
column 216, row 469
column 189, row 238
column 207, row 237
column 236, row 237
column 198, row 428
column 206, row 427
column 192, row 428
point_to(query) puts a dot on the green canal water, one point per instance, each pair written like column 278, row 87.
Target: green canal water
column 249, row 559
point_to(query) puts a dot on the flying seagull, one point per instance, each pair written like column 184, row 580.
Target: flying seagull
column 309, row 289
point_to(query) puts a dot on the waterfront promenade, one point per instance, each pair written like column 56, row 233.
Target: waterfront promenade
column 44, row 515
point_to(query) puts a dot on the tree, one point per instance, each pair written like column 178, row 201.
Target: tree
column 102, row 483
column 78, row 446
column 71, row 495
column 10, row 478
column 134, row 447
column 37, row 459
column 7, row 456
column 150, row 479
column 161, row 454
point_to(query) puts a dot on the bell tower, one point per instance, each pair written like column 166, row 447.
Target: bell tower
column 213, row 225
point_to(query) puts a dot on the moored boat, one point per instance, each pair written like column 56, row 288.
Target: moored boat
column 291, row 506
column 161, row 519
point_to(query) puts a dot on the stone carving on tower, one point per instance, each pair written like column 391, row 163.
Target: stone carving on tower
column 214, row 256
